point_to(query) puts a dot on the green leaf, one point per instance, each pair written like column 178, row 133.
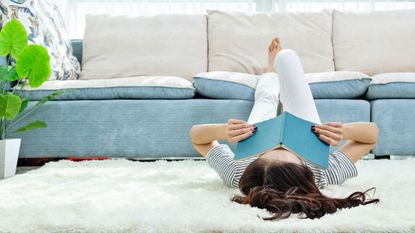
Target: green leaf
column 34, row 125
column 49, row 97
column 8, row 73
column 10, row 106
column 34, row 63
column 25, row 102
column 13, row 38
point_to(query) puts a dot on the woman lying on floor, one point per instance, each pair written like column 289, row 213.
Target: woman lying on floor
column 279, row 180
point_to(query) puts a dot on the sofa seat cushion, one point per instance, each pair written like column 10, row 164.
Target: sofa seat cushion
column 143, row 87
column 324, row 85
column 392, row 86
column 127, row 127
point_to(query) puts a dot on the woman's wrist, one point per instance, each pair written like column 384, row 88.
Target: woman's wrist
column 347, row 132
column 221, row 132
column 207, row 133
column 364, row 132
column 233, row 131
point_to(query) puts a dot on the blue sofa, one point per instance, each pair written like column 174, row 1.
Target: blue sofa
column 158, row 128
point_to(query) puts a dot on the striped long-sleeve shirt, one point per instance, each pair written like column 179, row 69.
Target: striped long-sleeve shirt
column 220, row 158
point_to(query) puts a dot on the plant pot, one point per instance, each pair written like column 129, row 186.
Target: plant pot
column 9, row 153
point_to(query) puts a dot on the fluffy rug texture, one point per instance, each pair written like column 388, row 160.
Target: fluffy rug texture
column 186, row 196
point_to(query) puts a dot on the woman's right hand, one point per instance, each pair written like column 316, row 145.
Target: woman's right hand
column 238, row 130
column 330, row 132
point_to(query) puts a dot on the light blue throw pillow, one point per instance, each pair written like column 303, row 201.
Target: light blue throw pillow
column 346, row 89
column 225, row 85
column 222, row 89
column 396, row 90
column 399, row 85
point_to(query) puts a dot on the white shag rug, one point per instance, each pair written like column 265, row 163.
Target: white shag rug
column 186, row 196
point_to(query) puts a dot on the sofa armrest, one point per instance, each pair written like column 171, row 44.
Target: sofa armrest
column 3, row 61
column 77, row 49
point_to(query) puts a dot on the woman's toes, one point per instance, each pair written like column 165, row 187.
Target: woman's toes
column 277, row 44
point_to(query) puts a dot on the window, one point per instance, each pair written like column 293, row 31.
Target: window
column 74, row 11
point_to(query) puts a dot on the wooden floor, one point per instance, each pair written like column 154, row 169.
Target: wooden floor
column 26, row 164
column 35, row 161
column 21, row 170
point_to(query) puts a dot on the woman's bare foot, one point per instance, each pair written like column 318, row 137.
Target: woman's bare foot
column 273, row 50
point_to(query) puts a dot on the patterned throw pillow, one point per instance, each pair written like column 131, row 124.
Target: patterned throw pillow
column 45, row 26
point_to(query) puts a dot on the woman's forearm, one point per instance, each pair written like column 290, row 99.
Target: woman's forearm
column 207, row 133
column 363, row 132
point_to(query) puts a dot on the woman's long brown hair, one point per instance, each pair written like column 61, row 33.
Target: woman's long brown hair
column 285, row 188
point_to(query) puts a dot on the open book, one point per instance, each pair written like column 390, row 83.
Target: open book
column 292, row 133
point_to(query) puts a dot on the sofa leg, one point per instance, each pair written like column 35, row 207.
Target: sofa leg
column 382, row 157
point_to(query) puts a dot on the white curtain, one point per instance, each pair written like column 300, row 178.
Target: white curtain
column 362, row 5
column 74, row 11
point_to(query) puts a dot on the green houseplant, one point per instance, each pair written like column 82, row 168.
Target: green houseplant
column 32, row 65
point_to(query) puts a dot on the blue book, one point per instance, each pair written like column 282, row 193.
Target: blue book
column 287, row 131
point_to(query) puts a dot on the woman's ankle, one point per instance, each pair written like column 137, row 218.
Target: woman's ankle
column 270, row 69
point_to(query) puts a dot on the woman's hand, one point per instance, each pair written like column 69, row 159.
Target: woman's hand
column 330, row 132
column 238, row 130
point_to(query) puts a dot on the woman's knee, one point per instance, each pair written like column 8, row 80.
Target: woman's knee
column 284, row 56
column 266, row 96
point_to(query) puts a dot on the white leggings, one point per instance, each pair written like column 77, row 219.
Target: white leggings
column 289, row 85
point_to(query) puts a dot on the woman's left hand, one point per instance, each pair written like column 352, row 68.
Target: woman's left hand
column 329, row 132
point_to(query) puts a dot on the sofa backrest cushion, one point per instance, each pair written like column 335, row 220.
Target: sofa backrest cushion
column 122, row 46
column 76, row 45
column 239, row 41
column 376, row 42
